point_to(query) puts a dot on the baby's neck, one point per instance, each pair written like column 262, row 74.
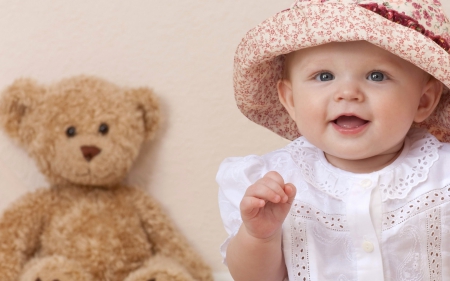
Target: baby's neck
column 366, row 165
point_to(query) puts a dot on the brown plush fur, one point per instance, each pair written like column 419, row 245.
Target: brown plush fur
column 87, row 226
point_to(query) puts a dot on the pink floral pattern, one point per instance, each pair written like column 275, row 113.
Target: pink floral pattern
column 415, row 30
column 407, row 21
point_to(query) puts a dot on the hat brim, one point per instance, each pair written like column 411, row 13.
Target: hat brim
column 258, row 62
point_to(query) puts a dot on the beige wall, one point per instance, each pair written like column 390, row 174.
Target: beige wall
column 184, row 51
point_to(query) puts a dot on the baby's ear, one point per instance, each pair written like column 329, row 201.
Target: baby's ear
column 16, row 101
column 147, row 103
column 286, row 96
column 429, row 100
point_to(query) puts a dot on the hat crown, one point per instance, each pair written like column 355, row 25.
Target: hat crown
column 428, row 13
column 385, row 2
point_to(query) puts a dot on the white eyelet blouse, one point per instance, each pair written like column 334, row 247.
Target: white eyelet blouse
column 392, row 224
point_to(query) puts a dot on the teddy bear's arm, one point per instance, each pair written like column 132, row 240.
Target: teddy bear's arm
column 167, row 240
column 20, row 228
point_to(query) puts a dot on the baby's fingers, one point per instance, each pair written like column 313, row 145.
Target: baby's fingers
column 277, row 185
column 251, row 205
column 290, row 191
column 267, row 190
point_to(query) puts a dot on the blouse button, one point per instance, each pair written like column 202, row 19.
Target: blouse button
column 367, row 246
column 366, row 183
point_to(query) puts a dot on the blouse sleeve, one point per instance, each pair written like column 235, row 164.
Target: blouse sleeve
column 235, row 175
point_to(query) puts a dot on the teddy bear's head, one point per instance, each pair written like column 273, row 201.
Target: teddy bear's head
column 82, row 130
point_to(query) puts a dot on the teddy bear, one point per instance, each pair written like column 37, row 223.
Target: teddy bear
column 84, row 133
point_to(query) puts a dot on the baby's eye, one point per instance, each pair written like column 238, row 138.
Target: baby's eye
column 324, row 76
column 376, row 76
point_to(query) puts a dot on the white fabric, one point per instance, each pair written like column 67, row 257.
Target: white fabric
column 392, row 224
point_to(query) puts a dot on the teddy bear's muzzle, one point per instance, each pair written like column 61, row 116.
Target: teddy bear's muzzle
column 90, row 152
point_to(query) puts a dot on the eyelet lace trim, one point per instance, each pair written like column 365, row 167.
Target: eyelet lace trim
column 306, row 156
column 395, row 182
column 300, row 255
column 302, row 212
column 414, row 169
column 434, row 244
column 331, row 221
column 425, row 202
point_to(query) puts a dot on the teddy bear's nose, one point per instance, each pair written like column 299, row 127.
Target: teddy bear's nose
column 90, row 152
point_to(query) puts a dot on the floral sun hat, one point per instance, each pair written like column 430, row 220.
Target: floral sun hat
column 415, row 30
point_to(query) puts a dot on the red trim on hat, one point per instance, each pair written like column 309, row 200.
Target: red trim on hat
column 407, row 21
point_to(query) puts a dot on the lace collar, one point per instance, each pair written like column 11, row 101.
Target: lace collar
column 395, row 181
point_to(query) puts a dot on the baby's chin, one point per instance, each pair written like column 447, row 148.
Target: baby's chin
column 361, row 162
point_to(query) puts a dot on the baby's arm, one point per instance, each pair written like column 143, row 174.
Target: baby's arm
column 255, row 252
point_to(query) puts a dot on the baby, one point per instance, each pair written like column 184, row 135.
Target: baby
column 364, row 192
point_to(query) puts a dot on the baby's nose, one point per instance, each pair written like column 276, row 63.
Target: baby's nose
column 349, row 91
column 90, row 152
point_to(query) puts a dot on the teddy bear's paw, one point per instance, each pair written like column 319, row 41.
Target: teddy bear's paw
column 170, row 276
column 54, row 268
column 161, row 276
column 160, row 268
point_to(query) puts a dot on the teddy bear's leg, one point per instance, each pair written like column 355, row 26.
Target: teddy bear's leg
column 160, row 268
column 54, row 268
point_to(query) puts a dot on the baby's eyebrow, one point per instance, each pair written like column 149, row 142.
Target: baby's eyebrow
column 394, row 63
column 308, row 63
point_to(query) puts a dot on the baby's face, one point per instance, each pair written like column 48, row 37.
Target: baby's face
column 353, row 100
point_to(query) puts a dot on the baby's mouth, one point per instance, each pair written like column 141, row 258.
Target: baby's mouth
column 349, row 122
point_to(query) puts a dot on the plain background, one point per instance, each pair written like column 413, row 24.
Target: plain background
column 184, row 51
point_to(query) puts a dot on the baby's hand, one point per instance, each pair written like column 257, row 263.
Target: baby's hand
column 266, row 204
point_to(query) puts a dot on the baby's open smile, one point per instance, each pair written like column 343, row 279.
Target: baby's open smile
column 349, row 124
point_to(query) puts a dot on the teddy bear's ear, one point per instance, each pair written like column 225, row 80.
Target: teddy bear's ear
column 16, row 101
column 147, row 102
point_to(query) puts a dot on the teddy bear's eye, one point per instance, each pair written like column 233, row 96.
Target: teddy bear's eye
column 103, row 129
column 71, row 131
